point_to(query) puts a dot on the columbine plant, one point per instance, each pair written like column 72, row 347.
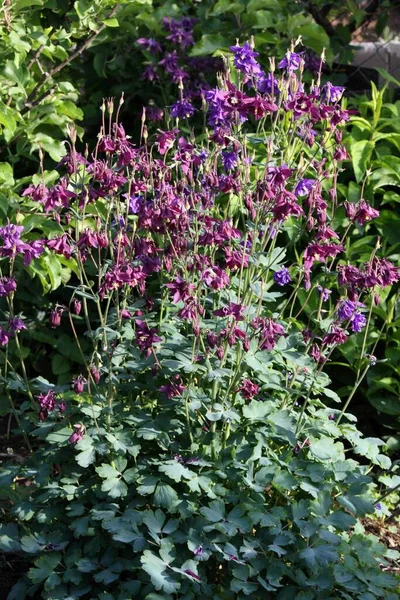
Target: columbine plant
column 196, row 453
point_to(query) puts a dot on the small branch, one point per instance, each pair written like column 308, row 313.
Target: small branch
column 35, row 56
column 31, row 98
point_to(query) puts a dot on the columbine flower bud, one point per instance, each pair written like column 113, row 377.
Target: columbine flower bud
column 79, row 384
column 55, row 316
column 96, row 375
column 78, row 433
column 77, row 307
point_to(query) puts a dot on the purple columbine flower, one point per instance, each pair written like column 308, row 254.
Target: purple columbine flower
column 77, row 307
column 325, row 293
column 55, row 316
column 16, row 324
column 249, row 389
column 79, row 384
column 47, row 403
column 78, row 434
column 268, row 84
column 303, row 188
column 358, row 322
column 7, row 286
column 182, row 110
column 282, row 277
column 229, row 160
column 332, row 93
column 346, row 310
column 4, row 337
column 244, row 60
column 291, row 62
column 149, row 44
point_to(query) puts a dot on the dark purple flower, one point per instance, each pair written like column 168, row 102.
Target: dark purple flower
column 268, row 331
column 182, row 109
column 282, row 277
column 291, row 62
column 268, row 84
column 181, row 289
column 229, row 160
column 173, row 388
column 334, row 337
column 149, row 44
column 47, row 403
column 215, row 277
column 8, row 285
column 249, row 389
column 16, row 324
column 150, row 73
column 233, row 310
column 62, row 406
column 378, row 506
column 60, row 245
column 146, row 337
column 79, row 384
column 78, row 433
column 154, row 114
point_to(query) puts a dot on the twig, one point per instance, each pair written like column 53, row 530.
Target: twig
column 31, row 102
column 35, row 56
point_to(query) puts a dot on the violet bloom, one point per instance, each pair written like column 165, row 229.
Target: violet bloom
column 325, row 293
column 146, row 337
column 346, row 310
column 182, row 110
column 244, row 60
column 282, row 277
column 332, row 93
column 16, row 324
column 8, row 285
column 229, row 160
column 358, row 322
column 268, row 84
column 303, row 188
column 149, row 44
column 291, row 62
column 78, row 434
